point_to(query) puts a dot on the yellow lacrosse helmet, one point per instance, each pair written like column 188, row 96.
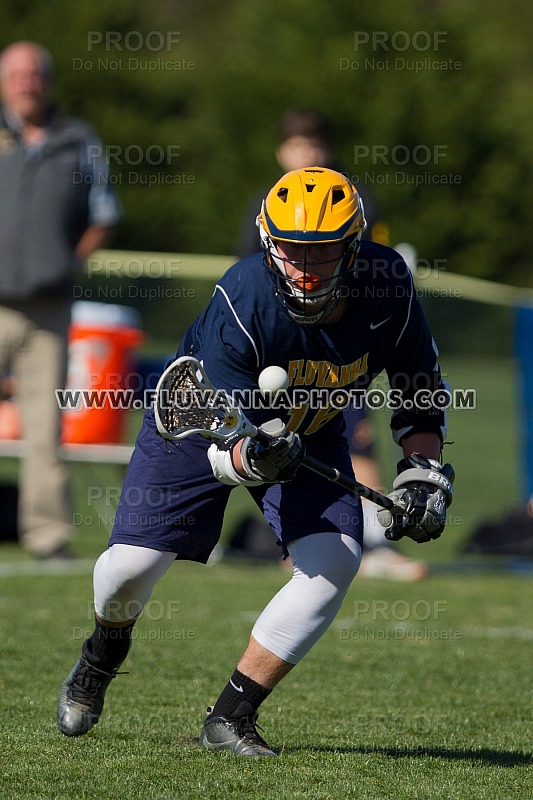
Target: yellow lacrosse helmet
column 311, row 206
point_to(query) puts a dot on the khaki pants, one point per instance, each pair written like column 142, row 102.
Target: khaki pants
column 33, row 345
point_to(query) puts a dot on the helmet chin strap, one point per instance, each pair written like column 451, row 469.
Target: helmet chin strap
column 308, row 319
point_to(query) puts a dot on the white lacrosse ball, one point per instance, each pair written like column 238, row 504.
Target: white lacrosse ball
column 273, row 379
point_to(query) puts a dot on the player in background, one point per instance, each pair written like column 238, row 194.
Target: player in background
column 305, row 139
column 333, row 311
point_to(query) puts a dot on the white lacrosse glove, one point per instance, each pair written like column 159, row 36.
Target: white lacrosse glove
column 273, row 463
column 277, row 461
column 424, row 489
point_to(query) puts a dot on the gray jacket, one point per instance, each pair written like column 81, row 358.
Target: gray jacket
column 45, row 206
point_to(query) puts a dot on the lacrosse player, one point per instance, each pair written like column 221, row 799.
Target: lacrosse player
column 334, row 311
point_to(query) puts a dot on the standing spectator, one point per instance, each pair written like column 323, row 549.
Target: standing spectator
column 56, row 208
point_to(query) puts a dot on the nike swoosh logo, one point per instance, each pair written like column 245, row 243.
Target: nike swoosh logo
column 378, row 324
column 237, row 688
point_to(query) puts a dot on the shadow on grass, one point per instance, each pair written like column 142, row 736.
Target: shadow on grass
column 496, row 758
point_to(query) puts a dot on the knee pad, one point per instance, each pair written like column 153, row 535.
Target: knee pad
column 124, row 577
column 324, row 565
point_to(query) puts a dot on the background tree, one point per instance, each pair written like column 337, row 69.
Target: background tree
column 210, row 102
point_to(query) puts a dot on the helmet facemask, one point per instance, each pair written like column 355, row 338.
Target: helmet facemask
column 307, row 296
column 309, row 209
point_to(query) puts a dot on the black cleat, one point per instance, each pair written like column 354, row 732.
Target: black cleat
column 81, row 699
column 238, row 735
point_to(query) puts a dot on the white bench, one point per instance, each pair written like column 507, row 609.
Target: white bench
column 95, row 453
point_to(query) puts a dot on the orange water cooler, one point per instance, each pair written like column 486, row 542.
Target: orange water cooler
column 102, row 340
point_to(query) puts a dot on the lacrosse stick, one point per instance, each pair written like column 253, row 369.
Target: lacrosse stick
column 186, row 402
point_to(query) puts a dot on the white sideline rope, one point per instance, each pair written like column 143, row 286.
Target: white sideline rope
column 464, row 287
column 132, row 264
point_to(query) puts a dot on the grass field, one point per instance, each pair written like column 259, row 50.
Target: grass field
column 417, row 691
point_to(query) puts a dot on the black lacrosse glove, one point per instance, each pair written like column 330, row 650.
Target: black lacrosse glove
column 277, row 461
column 424, row 489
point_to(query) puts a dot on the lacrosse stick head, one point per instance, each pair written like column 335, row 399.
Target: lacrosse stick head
column 186, row 402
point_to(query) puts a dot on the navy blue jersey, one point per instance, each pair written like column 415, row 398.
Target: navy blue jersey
column 246, row 328
column 171, row 501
